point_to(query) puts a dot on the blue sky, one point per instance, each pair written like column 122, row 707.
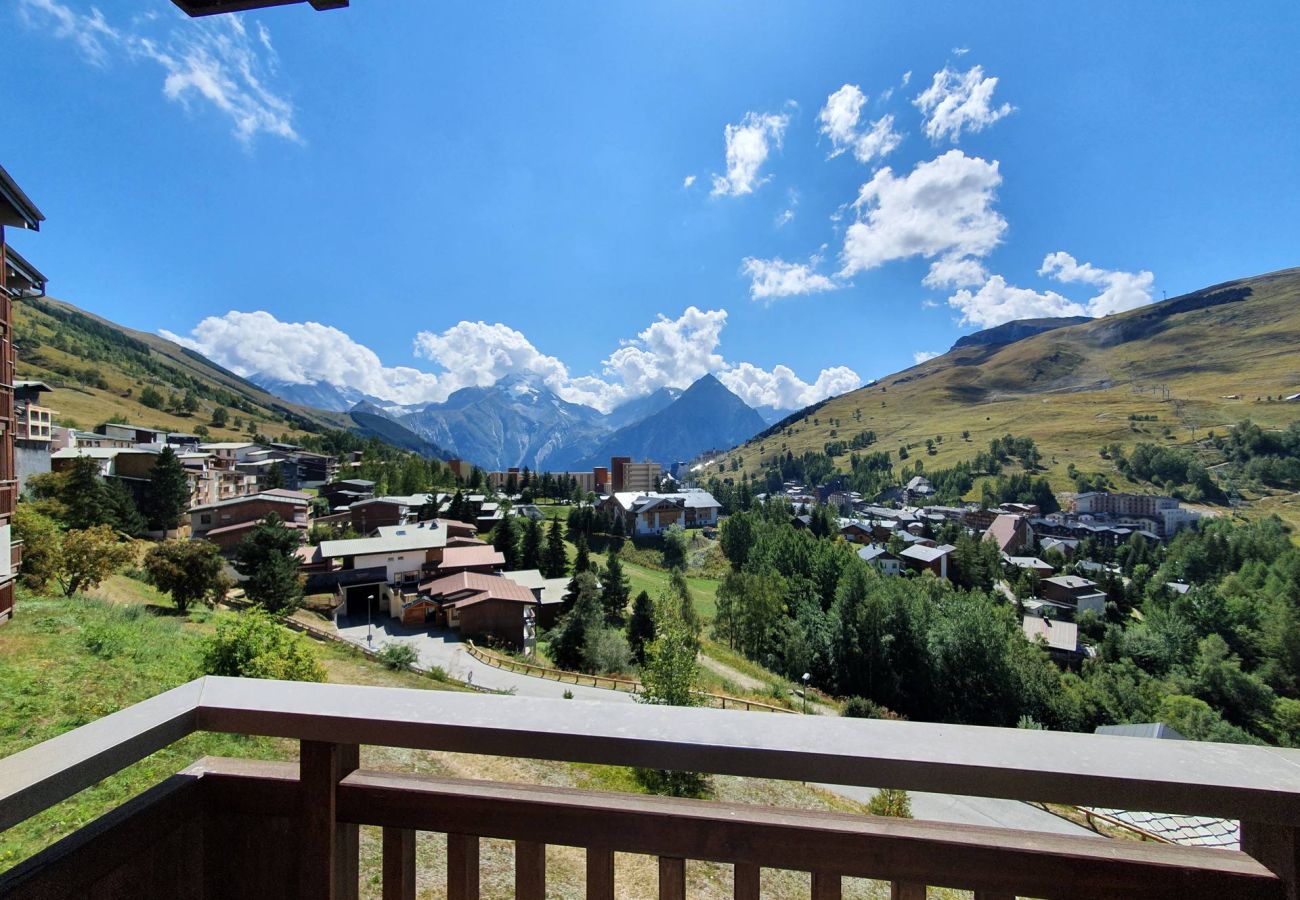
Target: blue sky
column 409, row 197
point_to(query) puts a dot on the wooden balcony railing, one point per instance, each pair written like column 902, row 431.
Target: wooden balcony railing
column 237, row 828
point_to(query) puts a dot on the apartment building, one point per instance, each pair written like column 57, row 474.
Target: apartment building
column 18, row 279
column 33, row 431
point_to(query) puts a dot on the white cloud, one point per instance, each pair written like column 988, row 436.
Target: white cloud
column 1120, row 290
column 688, row 181
column 998, row 302
column 929, row 303
column 773, row 278
column 248, row 343
column 667, row 353
column 785, row 217
column 944, row 206
column 213, row 61
column 748, row 145
column 783, row 389
column 955, row 272
column 839, row 120
column 960, row 51
column 921, row 356
column 907, row 77
column 957, row 101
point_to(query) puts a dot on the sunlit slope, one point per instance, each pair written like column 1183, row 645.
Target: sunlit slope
column 1184, row 360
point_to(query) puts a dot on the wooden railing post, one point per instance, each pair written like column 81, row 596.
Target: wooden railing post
column 747, row 880
column 530, row 870
column 600, row 874
column 672, row 878
column 328, row 864
column 462, row 867
column 399, row 864
column 825, row 886
column 1278, row 848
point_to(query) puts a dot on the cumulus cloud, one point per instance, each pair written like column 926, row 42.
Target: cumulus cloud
column 959, row 101
column 783, row 389
column 943, row 207
column 211, row 62
column 955, row 272
column 774, row 278
column 667, row 353
column 998, row 302
column 250, row 343
column 921, row 356
column 1120, row 290
column 748, row 145
column 688, row 181
column 840, row 119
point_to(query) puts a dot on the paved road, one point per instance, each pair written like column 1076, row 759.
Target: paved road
column 446, row 650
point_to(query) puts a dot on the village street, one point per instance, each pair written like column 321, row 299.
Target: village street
column 447, row 651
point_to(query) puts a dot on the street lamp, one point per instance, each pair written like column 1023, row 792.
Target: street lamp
column 806, row 679
column 370, row 602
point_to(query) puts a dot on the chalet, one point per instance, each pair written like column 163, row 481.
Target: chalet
column 377, row 512
column 921, row 558
column 225, row 523
column 880, row 557
column 344, row 493
column 1011, row 532
column 918, row 490
column 655, row 513
column 549, row 592
column 1074, row 591
column 1067, row 547
column 1061, row 639
column 473, row 604
column 481, row 558
column 1030, row 564
column 857, row 531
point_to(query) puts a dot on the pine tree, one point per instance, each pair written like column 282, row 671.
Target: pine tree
column 167, row 495
column 125, row 517
column 681, row 592
column 570, row 637
column 555, row 561
column 505, row 538
column 614, row 592
column 267, row 556
column 85, row 496
column 641, row 626
column 530, row 556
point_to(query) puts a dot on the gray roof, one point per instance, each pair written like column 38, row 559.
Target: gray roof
column 418, row 539
column 1193, row 831
column 873, row 551
column 927, row 554
column 1143, row 730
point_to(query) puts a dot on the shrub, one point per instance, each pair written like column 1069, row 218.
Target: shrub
column 606, row 650
column 397, row 656
column 890, row 802
column 253, row 645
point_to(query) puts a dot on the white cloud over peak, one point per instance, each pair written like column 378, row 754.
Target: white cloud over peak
column 959, row 101
column 748, row 145
column 771, row 279
column 213, row 62
column 998, row 302
column 250, row 343
column 943, row 207
column 839, row 120
column 1120, row 290
column 666, row 353
column 921, row 356
column 782, row 389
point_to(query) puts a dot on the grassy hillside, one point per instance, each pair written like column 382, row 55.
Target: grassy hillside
column 100, row 370
column 1199, row 362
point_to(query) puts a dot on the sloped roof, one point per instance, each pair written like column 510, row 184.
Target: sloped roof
column 927, row 554
column 397, row 543
column 481, row 587
column 1007, row 529
column 480, row 555
column 1057, row 635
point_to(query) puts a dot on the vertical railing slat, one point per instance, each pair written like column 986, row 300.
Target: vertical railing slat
column 462, row 867
column 530, row 870
column 1278, row 848
column 329, row 861
column 825, row 886
column 672, row 878
column 746, row 878
column 399, row 864
column 600, row 874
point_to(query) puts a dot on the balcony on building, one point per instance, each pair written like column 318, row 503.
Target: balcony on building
column 248, row 828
